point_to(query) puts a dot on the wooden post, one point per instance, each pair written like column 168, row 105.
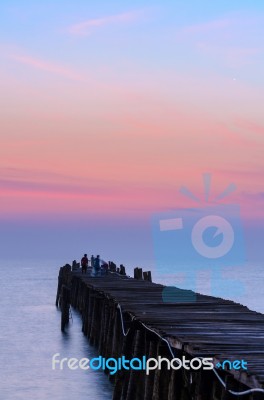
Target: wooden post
column 161, row 376
column 122, row 270
column 112, row 266
column 204, row 389
column 149, row 379
column 136, row 384
column 65, row 306
column 149, row 276
column 59, row 288
column 175, row 385
column 138, row 273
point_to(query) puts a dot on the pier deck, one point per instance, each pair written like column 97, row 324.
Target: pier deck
column 205, row 327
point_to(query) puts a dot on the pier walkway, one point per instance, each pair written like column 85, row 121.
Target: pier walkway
column 127, row 316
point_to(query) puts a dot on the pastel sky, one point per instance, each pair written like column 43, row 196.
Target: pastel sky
column 108, row 108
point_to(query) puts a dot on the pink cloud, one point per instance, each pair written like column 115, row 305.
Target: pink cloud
column 84, row 28
column 232, row 55
column 219, row 39
column 46, row 66
column 208, row 26
column 255, row 130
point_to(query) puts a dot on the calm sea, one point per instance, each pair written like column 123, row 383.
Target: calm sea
column 30, row 332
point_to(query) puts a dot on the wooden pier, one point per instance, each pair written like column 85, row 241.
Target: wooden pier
column 127, row 316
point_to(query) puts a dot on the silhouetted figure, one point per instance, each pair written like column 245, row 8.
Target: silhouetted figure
column 92, row 261
column 97, row 264
column 104, row 268
column 84, row 263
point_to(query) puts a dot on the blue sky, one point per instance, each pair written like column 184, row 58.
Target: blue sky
column 106, row 108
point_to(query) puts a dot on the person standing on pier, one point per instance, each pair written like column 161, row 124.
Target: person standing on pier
column 97, row 265
column 92, row 261
column 84, row 263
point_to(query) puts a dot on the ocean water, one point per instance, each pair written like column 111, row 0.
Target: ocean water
column 30, row 330
column 30, row 335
